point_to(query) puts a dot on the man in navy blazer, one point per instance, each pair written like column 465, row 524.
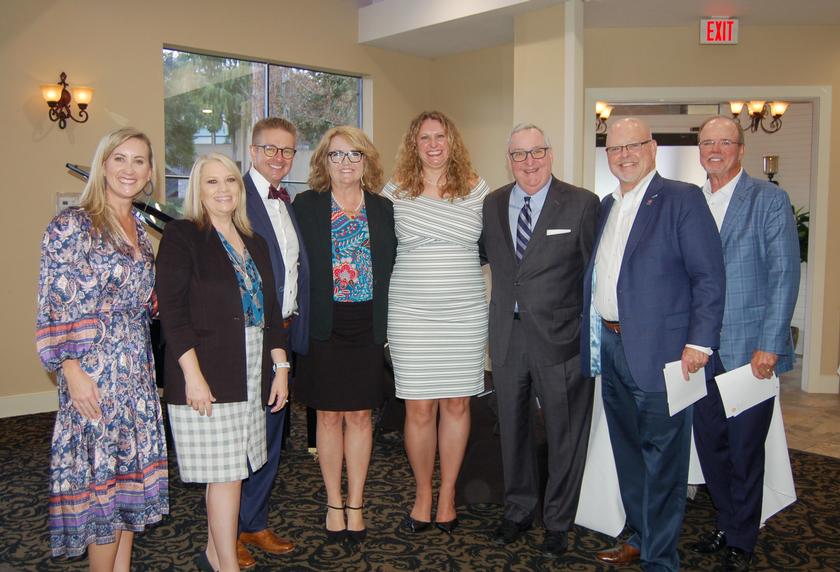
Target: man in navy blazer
column 653, row 294
column 761, row 249
column 273, row 218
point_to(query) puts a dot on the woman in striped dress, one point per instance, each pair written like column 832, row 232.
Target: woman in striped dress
column 437, row 320
column 222, row 334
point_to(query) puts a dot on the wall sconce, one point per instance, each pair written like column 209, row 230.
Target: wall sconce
column 602, row 113
column 758, row 111
column 58, row 97
column 771, row 167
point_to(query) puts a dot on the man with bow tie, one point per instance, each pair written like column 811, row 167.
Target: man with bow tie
column 653, row 294
column 272, row 217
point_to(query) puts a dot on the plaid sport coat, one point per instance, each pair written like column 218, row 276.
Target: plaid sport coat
column 761, row 252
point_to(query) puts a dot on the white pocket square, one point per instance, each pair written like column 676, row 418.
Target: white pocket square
column 553, row 231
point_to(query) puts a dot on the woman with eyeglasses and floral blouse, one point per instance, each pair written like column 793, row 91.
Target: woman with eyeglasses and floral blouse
column 348, row 231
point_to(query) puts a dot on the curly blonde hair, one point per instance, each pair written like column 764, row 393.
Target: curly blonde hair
column 408, row 174
column 193, row 207
column 319, row 170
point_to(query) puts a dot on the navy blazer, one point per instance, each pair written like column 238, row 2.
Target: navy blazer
column 201, row 308
column 671, row 284
column 261, row 223
column 314, row 210
column 761, row 249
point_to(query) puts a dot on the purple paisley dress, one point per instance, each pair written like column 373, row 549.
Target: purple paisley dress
column 93, row 306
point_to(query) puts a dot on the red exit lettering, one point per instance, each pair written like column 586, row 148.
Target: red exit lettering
column 719, row 31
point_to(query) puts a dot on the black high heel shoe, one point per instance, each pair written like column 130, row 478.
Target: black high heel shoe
column 356, row 536
column 448, row 527
column 203, row 563
column 409, row 524
column 335, row 536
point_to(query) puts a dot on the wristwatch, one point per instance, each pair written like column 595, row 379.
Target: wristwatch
column 280, row 365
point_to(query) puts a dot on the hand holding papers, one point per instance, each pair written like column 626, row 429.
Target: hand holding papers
column 682, row 393
column 740, row 389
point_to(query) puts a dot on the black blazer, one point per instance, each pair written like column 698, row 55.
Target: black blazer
column 201, row 308
column 313, row 211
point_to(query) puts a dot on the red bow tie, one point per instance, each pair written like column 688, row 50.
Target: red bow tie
column 280, row 193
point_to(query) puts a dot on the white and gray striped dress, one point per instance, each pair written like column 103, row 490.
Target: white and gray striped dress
column 437, row 312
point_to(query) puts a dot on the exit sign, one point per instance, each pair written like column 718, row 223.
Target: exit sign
column 719, row 30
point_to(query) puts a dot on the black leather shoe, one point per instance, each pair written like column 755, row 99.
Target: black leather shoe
column 736, row 560
column 711, row 543
column 448, row 527
column 554, row 543
column 203, row 563
column 414, row 526
column 510, row 531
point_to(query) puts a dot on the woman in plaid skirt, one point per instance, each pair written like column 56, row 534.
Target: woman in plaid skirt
column 222, row 336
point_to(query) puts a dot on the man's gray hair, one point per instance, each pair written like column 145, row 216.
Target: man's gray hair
column 731, row 120
column 524, row 127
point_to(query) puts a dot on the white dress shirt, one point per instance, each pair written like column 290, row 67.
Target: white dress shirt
column 719, row 200
column 287, row 238
column 611, row 248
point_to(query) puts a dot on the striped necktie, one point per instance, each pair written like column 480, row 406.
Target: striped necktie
column 523, row 229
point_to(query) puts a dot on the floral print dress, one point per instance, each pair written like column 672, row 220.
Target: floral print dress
column 93, row 306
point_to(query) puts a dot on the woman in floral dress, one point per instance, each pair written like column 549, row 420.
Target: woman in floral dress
column 108, row 474
column 348, row 232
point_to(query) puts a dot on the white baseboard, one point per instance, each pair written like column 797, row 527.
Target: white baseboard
column 28, row 403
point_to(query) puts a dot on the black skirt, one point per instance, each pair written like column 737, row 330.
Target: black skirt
column 346, row 372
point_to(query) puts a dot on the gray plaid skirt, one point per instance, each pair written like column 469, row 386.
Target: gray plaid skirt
column 217, row 449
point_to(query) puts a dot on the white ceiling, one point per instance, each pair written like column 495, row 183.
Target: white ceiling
column 388, row 23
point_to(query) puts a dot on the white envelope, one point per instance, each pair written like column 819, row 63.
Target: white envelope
column 682, row 393
column 740, row 389
column 553, row 231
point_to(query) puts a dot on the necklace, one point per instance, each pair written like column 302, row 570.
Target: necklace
column 350, row 212
column 433, row 183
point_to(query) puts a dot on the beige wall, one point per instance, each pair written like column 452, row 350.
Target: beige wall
column 787, row 55
column 539, row 74
column 115, row 47
column 474, row 89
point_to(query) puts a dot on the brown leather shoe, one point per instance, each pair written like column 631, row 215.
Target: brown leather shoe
column 244, row 557
column 624, row 554
column 267, row 540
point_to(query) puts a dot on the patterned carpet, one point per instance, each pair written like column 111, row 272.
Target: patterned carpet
column 806, row 536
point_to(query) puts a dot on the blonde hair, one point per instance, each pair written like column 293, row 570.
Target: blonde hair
column 272, row 123
column 94, row 199
column 319, row 172
column 408, row 174
column 193, row 207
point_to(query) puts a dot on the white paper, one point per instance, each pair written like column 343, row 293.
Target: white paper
column 553, row 231
column 682, row 393
column 740, row 389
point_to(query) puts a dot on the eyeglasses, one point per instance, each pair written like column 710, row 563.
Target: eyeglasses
column 536, row 153
column 724, row 143
column 338, row 156
column 630, row 147
column 272, row 150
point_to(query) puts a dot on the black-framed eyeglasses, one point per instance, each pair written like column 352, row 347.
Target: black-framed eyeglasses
column 724, row 143
column 352, row 156
column 630, row 147
column 272, row 150
column 536, row 153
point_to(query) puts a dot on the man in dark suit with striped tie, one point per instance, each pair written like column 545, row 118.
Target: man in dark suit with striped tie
column 537, row 238
column 273, row 217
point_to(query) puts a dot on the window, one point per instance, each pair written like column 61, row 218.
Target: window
column 211, row 104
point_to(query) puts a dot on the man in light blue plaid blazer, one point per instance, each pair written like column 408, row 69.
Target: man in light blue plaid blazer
column 761, row 252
